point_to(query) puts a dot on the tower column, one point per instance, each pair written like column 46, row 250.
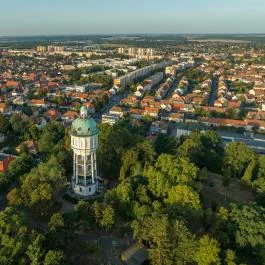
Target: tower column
column 85, row 166
column 75, row 168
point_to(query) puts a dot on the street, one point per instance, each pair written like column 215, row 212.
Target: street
column 214, row 88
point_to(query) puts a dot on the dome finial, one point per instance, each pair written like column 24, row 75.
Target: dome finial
column 83, row 112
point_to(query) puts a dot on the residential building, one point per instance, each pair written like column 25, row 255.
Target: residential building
column 110, row 118
column 5, row 160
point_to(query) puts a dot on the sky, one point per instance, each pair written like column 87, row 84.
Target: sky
column 52, row 17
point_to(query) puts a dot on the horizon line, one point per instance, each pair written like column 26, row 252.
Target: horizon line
column 125, row 34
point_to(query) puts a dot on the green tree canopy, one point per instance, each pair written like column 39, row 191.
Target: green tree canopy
column 40, row 187
column 169, row 242
column 55, row 257
column 21, row 165
column 13, row 236
column 169, row 171
column 208, row 251
column 237, row 157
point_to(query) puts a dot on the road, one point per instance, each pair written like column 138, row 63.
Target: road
column 172, row 89
column 113, row 101
column 214, row 89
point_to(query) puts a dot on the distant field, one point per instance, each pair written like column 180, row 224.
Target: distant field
column 219, row 40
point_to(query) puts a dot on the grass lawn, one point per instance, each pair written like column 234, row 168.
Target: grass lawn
column 224, row 195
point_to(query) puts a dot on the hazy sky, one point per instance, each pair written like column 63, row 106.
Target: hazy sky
column 38, row 17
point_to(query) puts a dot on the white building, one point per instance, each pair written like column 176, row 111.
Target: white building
column 110, row 118
column 84, row 142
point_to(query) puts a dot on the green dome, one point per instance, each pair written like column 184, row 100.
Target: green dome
column 85, row 125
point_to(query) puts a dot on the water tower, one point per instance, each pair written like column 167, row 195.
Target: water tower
column 84, row 142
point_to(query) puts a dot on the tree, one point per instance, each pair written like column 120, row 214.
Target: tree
column 21, row 165
column 247, row 177
column 230, row 257
column 237, row 157
column 108, row 218
column 248, row 225
column 156, row 232
column 168, row 242
column 169, row 171
column 35, row 250
column 4, row 124
column 31, row 131
column 84, row 213
column 14, row 197
column 208, row 251
column 259, row 182
column 183, row 198
column 52, row 133
column 17, row 124
column 165, row 144
column 40, row 187
column 104, row 215
column 13, row 236
column 113, row 142
column 56, row 222
column 191, row 149
column 242, row 227
column 203, row 149
column 4, row 182
column 54, row 257
column 135, row 159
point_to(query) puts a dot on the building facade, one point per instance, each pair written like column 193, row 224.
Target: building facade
column 84, row 143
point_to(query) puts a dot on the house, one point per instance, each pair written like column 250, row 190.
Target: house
column 136, row 113
column 5, row 160
column 234, row 104
column 110, row 118
column 198, row 100
column 119, row 111
column 176, row 117
column 151, row 111
column 30, row 146
column 82, row 96
column 90, row 106
column 250, row 98
column 131, row 101
column 3, row 107
column 178, row 106
column 222, row 122
column 159, row 127
column 12, row 84
column 218, row 103
column 186, row 128
column 40, row 103
column 214, row 109
column 69, row 116
column 257, row 115
column 52, row 114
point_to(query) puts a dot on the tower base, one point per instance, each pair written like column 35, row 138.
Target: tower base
column 85, row 191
